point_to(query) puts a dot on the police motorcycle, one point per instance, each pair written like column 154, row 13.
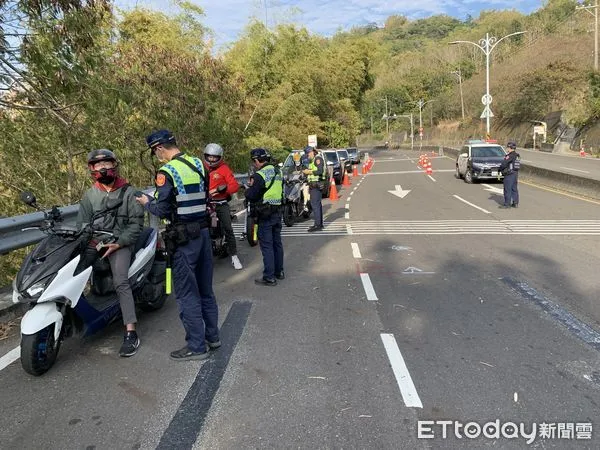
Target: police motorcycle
column 69, row 291
column 293, row 199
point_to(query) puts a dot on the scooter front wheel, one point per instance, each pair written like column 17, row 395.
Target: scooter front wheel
column 39, row 350
column 288, row 214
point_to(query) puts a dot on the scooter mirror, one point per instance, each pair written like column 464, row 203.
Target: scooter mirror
column 28, row 198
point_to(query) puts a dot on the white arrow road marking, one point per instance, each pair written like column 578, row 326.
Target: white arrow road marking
column 415, row 271
column 493, row 189
column 10, row 357
column 405, row 382
column 399, row 192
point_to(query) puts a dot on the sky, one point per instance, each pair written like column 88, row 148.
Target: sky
column 227, row 18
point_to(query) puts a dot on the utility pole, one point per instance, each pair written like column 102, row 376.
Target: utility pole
column 487, row 45
column 593, row 7
column 387, row 119
column 462, row 102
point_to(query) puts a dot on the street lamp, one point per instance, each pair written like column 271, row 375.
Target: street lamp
column 421, row 103
column 487, row 45
column 462, row 103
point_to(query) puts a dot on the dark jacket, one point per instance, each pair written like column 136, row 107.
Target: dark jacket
column 126, row 223
column 506, row 167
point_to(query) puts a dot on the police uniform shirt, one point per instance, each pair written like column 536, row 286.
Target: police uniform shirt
column 320, row 166
column 165, row 202
column 508, row 159
column 257, row 188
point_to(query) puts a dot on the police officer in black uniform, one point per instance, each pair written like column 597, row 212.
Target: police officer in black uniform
column 510, row 169
column 181, row 195
column 316, row 177
column 265, row 194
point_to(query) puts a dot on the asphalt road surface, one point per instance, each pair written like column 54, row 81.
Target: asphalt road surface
column 586, row 167
column 412, row 314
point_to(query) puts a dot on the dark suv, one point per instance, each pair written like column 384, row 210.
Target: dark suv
column 479, row 160
column 289, row 165
column 355, row 155
column 334, row 165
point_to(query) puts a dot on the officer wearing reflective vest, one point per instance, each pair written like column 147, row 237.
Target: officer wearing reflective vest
column 316, row 177
column 265, row 195
column 510, row 169
column 181, row 194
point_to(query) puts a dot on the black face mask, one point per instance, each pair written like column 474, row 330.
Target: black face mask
column 105, row 176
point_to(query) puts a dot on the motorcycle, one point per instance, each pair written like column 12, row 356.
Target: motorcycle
column 294, row 201
column 69, row 291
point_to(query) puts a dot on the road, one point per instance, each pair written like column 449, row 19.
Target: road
column 586, row 167
column 429, row 305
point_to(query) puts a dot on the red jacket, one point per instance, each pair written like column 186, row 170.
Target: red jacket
column 221, row 175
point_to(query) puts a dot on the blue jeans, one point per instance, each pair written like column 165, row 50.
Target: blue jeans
column 511, row 192
column 271, row 247
column 316, row 195
column 192, row 277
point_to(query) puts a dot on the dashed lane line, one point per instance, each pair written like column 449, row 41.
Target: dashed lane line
column 403, row 378
column 368, row 287
column 471, row 204
column 356, row 250
column 432, row 179
column 10, row 357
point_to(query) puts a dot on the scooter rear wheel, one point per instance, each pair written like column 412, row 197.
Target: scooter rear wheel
column 39, row 350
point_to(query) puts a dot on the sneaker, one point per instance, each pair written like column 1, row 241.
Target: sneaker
column 515, row 205
column 280, row 275
column 235, row 261
column 185, row 354
column 213, row 345
column 131, row 342
column 266, row 282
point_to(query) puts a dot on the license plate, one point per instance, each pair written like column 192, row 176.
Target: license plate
column 494, row 173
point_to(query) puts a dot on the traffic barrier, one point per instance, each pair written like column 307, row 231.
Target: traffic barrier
column 333, row 195
column 346, row 181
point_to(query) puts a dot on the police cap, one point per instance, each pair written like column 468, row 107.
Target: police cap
column 160, row 137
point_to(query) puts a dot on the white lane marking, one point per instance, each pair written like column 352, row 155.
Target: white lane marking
column 575, row 170
column 349, row 229
column 368, row 286
column 347, row 206
column 408, row 171
column 493, row 189
column 347, row 215
column 355, row 250
column 471, row 204
column 350, row 195
column 10, row 357
column 526, row 160
column 405, row 382
column 392, row 159
column 432, row 179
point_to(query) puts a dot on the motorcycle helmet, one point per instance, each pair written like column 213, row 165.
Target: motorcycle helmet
column 214, row 150
column 511, row 144
column 103, row 175
column 260, row 155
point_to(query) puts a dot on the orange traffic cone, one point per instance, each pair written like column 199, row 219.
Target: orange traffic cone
column 355, row 170
column 333, row 195
column 364, row 169
column 582, row 152
column 429, row 170
column 346, row 181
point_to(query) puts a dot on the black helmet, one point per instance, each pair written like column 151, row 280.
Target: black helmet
column 308, row 149
column 260, row 154
column 160, row 137
column 101, row 154
column 512, row 144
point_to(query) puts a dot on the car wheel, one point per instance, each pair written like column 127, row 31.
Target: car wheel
column 457, row 173
column 469, row 176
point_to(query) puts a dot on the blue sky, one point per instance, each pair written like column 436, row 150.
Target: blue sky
column 227, row 18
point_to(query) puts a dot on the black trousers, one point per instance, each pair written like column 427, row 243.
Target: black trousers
column 224, row 215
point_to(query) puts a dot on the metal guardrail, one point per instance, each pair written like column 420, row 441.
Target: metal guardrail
column 12, row 236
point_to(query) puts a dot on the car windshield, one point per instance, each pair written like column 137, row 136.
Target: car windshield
column 352, row 151
column 487, row 152
column 331, row 157
column 343, row 154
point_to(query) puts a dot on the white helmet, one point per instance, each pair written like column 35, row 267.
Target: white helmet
column 213, row 150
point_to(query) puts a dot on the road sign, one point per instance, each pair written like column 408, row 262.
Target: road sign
column 312, row 140
column 486, row 99
column 487, row 112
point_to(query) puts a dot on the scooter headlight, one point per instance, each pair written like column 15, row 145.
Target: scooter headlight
column 37, row 289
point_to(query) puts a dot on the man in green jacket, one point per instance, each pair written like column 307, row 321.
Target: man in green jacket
column 126, row 224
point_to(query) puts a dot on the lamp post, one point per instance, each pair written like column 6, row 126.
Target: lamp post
column 421, row 103
column 487, row 45
column 462, row 103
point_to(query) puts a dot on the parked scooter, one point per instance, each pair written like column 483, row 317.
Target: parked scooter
column 294, row 201
column 54, row 277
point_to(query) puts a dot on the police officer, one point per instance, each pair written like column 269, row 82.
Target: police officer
column 182, row 190
column 316, row 177
column 265, row 194
column 510, row 169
